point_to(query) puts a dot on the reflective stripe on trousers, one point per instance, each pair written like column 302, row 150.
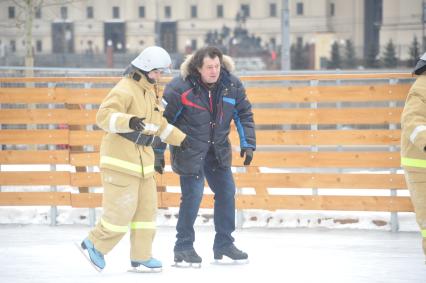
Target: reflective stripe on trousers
column 124, row 229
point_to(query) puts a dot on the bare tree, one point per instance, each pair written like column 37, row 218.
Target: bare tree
column 24, row 21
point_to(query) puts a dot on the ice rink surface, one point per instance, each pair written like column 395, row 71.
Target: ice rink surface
column 42, row 253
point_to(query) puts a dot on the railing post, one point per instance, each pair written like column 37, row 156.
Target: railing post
column 53, row 208
column 394, row 221
column 92, row 211
column 1, row 146
column 314, row 127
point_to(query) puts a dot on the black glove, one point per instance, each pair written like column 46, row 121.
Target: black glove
column 159, row 162
column 185, row 143
column 249, row 155
column 137, row 124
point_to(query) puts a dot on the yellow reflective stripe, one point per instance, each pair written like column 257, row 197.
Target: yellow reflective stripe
column 114, row 228
column 421, row 163
column 142, row 225
column 424, row 233
column 127, row 165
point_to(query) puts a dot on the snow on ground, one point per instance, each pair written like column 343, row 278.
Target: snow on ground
column 47, row 254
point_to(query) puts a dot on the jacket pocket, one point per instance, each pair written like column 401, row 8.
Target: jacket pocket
column 115, row 178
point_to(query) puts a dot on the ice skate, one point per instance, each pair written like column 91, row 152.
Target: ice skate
column 151, row 265
column 234, row 255
column 95, row 257
column 187, row 258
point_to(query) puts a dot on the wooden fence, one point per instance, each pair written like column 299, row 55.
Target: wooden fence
column 325, row 133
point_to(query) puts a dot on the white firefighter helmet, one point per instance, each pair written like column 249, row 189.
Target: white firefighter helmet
column 153, row 57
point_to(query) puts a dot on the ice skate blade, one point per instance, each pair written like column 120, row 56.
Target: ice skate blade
column 230, row 261
column 87, row 257
column 184, row 264
column 144, row 269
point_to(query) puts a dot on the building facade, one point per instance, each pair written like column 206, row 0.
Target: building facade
column 94, row 26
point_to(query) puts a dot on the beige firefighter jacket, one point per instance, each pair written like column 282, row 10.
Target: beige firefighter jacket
column 129, row 98
column 413, row 124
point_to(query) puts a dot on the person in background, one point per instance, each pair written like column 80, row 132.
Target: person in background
column 413, row 145
column 202, row 102
column 131, row 116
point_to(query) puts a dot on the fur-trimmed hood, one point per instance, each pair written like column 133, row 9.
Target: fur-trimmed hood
column 228, row 64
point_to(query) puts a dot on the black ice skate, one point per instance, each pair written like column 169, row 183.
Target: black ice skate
column 237, row 256
column 187, row 258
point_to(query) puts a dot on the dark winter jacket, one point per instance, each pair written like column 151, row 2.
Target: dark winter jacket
column 205, row 115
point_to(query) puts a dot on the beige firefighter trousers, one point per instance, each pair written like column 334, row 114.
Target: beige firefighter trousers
column 128, row 202
column 416, row 182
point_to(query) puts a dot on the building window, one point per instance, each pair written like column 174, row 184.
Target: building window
column 193, row 11
column 64, row 13
column 219, row 11
column 141, row 11
column 193, row 44
column 12, row 46
column 38, row 13
column 245, row 8
column 299, row 9
column 11, row 13
column 89, row 12
column 115, row 12
column 167, row 12
column 39, row 46
column 272, row 10
column 332, row 9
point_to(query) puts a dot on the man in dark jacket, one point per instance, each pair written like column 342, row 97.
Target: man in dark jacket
column 201, row 102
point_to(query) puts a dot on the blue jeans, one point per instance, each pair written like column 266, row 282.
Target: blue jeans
column 221, row 182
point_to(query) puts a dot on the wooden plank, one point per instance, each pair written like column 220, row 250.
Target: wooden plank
column 330, row 77
column 331, row 116
column 84, row 179
column 345, row 93
column 173, row 200
column 86, row 200
column 356, row 159
column 323, row 137
column 28, row 178
column 85, row 137
column 47, row 116
column 281, row 137
column 84, row 158
column 34, row 198
column 367, row 160
column 277, row 180
column 85, row 79
column 83, row 95
column 30, row 95
column 320, row 180
column 298, row 77
column 279, row 94
column 295, row 202
column 341, row 203
column 34, row 137
column 34, row 157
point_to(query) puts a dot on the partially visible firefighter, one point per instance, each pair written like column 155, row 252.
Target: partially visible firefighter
column 413, row 145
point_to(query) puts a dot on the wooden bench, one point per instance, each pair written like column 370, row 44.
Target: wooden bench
column 331, row 132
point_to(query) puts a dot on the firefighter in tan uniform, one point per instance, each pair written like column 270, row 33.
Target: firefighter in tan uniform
column 131, row 116
column 413, row 145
